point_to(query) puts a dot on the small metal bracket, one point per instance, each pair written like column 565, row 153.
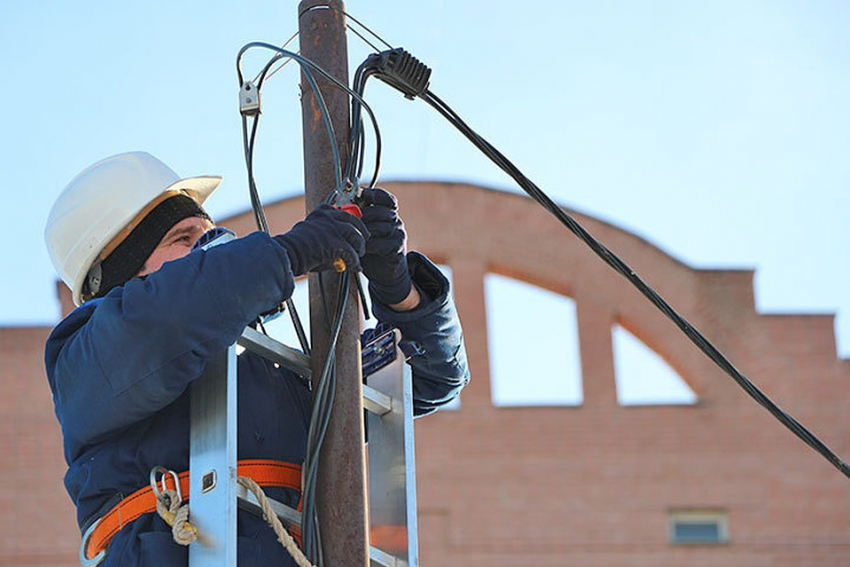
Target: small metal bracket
column 249, row 99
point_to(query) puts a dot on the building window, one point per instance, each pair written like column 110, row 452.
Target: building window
column 698, row 527
column 643, row 377
column 532, row 339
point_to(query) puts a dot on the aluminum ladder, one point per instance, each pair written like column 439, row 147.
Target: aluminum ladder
column 216, row 496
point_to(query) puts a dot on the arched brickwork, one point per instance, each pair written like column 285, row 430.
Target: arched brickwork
column 476, row 231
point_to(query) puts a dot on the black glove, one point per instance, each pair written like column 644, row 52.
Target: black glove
column 385, row 261
column 326, row 234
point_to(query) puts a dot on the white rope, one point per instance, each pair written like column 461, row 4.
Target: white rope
column 169, row 508
column 268, row 514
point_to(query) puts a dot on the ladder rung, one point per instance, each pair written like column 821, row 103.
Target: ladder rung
column 275, row 351
column 376, row 401
column 382, row 558
column 247, row 501
column 291, row 517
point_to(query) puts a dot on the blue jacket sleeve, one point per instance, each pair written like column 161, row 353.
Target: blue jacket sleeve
column 432, row 336
column 116, row 361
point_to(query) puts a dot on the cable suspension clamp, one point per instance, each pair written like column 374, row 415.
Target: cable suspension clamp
column 401, row 70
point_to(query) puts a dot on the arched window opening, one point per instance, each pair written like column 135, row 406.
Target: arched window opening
column 532, row 336
column 643, row 376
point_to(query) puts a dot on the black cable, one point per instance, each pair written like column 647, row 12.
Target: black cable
column 622, row 268
column 248, row 142
column 324, row 388
column 257, row 206
column 402, row 71
column 354, row 165
column 323, row 393
column 323, row 399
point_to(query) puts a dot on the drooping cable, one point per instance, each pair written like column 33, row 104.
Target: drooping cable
column 400, row 70
column 626, row 271
column 256, row 204
column 355, row 163
column 248, row 145
column 309, row 66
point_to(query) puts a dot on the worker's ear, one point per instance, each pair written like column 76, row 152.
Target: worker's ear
column 91, row 285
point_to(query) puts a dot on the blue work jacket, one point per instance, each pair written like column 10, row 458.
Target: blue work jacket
column 119, row 368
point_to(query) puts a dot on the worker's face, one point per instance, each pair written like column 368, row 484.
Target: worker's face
column 176, row 243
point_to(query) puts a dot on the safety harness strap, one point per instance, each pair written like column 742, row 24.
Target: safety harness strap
column 265, row 472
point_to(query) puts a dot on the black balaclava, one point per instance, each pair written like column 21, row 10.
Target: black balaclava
column 130, row 256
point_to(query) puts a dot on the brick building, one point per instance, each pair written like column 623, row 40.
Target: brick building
column 716, row 482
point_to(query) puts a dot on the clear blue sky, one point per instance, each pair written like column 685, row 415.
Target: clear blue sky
column 717, row 130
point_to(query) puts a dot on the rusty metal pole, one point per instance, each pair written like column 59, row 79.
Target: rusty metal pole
column 341, row 487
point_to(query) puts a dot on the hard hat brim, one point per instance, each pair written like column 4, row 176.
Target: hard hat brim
column 199, row 188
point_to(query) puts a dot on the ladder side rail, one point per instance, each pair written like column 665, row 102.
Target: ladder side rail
column 410, row 469
column 392, row 468
column 212, row 463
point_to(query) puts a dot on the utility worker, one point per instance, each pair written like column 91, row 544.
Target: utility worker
column 151, row 313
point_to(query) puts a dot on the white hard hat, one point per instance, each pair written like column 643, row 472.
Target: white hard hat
column 101, row 201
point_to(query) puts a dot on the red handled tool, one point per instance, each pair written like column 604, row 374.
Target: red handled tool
column 351, row 209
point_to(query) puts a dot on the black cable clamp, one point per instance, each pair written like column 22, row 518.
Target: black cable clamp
column 400, row 70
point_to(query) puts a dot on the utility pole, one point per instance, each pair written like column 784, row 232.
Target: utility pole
column 341, row 488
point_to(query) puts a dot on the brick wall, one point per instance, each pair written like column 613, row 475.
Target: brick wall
column 38, row 526
column 589, row 485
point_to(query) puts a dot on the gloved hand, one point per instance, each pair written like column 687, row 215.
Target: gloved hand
column 385, row 261
column 326, row 234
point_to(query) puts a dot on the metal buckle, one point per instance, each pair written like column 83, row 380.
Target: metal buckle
column 163, row 483
column 100, row 554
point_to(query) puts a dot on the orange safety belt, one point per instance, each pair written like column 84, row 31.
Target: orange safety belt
column 264, row 472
